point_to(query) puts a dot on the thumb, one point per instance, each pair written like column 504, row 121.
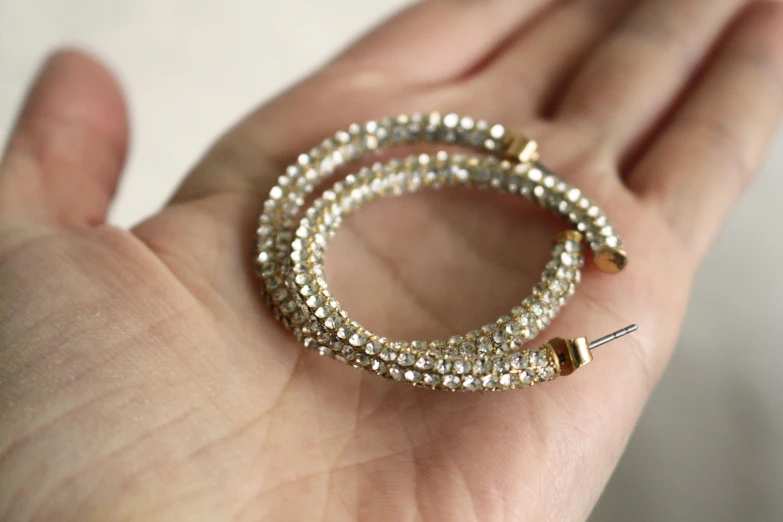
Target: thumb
column 64, row 158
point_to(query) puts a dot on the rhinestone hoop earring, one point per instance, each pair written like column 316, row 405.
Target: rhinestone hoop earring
column 291, row 242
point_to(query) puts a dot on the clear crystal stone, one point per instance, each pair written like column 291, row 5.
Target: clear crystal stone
column 467, row 348
column 471, row 383
column 345, row 332
column 508, row 379
column 348, row 352
column 432, row 379
column 461, row 366
column 527, row 377
column 371, row 348
column 412, row 376
column 387, row 354
column 484, row 344
column 378, row 366
column 546, row 373
column 442, row 366
column 451, row 381
column 405, row 359
column 500, row 365
column 395, row 373
column 362, row 360
column 357, row 339
column 424, row 363
column 513, row 328
column 500, row 336
column 489, row 382
column 519, row 361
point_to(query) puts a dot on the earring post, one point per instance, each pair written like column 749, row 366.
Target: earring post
column 612, row 336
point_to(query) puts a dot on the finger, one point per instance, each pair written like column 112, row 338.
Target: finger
column 64, row 158
column 529, row 72
column 700, row 164
column 636, row 73
column 382, row 74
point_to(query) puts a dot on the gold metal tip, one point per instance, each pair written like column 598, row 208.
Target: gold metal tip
column 569, row 235
column 571, row 353
column 520, row 148
column 610, row 260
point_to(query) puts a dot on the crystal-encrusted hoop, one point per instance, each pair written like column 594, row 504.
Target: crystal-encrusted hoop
column 291, row 243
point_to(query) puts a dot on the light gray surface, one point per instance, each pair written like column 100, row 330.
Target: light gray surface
column 709, row 444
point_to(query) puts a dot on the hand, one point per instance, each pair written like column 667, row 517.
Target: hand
column 142, row 377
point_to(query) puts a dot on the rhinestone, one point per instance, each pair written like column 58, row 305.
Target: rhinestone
column 546, row 373
column 371, row 348
column 500, row 336
column 405, row 359
column 333, row 322
column 387, row 354
column 412, row 376
column 395, row 373
column 461, row 367
column 527, row 377
column 538, row 358
column 451, row 381
column 481, row 365
column 348, row 352
column 508, row 379
column 500, row 365
column 513, row 328
column 484, row 344
column 442, row 366
column 489, row 382
column 362, row 360
column 432, row 379
column 303, row 278
column 357, row 339
column 345, row 332
column 471, row 383
column 307, row 290
column 323, row 350
column 519, row 361
column 378, row 366
column 467, row 348
column 424, row 363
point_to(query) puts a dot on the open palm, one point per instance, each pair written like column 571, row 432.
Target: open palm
column 143, row 378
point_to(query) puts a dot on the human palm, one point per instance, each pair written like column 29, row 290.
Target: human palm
column 143, row 378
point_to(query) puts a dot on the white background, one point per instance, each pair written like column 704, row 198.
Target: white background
column 709, row 444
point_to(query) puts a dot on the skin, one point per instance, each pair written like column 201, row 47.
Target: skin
column 143, row 378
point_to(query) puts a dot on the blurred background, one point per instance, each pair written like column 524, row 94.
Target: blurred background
column 709, row 444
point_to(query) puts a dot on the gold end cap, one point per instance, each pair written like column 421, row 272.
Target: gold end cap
column 610, row 260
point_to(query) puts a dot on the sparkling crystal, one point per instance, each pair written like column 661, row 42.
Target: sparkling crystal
column 451, row 381
column 348, row 352
column 357, row 339
column 371, row 348
column 546, row 373
column 303, row 278
column 467, row 348
column 333, row 321
column 412, row 376
column 307, row 290
column 508, row 379
column 345, row 332
column 500, row 365
column 519, row 361
column 538, row 358
column 387, row 354
column 395, row 373
column 513, row 328
column 424, row 363
column 323, row 350
column 362, row 359
column 500, row 336
column 481, row 365
column 405, row 359
column 484, row 344
column 471, row 383
column 461, row 366
column 527, row 377
column 489, row 382
column 442, row 366
column 378, row 366
column 432, row 379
